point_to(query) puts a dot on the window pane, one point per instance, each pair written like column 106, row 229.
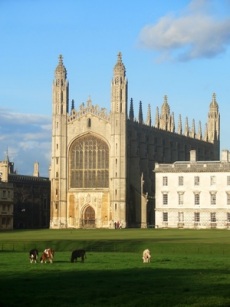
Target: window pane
column 165, row 216
column 165, row 180
column 180, row 180
column 180, row 198
column 196, row 180
column 165, row 199
column 212, row 180
column 197, row 217
column 197, row 198
column 89, row 163
column 213, row 198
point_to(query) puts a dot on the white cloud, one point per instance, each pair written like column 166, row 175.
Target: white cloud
column 26, row 138
column 194, row 34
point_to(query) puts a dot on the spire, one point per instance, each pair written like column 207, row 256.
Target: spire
column 199, row 134
column 213, row 103
column 119, row 68
column 193, row 130
column 186, row 132
column 165, row 115
column 60, row 69
column 172, row 126
column 179, row 131
column 157, row 123
column 206, row 133
column 36, row 169
column 131, row 112
column 165, row 109
column 119, row 91
column 148, row 120
column 140, row 113
column 61, row 88
column 213, row 120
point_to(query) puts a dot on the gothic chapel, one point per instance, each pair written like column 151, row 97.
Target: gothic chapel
column 102, row 162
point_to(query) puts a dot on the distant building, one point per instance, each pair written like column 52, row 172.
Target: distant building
column 25, row 201
column 193, row 194
column 6, row 205
column 102, row 162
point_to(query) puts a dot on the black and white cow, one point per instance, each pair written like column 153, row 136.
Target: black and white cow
column 33, row 255
column 78, row 253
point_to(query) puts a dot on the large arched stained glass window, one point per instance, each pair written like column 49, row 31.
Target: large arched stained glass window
column 89, row 163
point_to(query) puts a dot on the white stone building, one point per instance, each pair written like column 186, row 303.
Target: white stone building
column 193, row 194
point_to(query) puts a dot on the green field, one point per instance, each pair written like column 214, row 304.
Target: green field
column 188, row 268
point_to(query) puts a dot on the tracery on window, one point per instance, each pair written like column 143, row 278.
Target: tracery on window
column 89, row 163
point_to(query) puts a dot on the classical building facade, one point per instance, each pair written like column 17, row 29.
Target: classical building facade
column 102, row 161
column 193, row 194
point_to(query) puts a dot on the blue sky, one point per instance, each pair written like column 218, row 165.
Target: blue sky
column 176, row 48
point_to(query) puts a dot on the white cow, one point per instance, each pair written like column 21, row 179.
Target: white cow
column 146, row 255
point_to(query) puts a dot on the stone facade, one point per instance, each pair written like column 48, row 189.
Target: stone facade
column 6, row 205
column 193, row 194
column 102, row 162
column 24, row 200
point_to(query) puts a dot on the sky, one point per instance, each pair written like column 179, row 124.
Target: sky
column 178, row 48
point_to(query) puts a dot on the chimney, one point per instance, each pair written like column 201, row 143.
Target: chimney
column 193, row 155
column 36, row 169
column 225, row 156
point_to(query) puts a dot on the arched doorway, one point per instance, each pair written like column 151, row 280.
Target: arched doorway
column 88, row 220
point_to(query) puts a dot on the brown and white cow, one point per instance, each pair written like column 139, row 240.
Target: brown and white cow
column 33, row 255
column 146, row 256
column 47, row 255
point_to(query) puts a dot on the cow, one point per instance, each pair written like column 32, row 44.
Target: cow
column 47, row 255
column 78, row 253
column 33, row 255
column 146, row 256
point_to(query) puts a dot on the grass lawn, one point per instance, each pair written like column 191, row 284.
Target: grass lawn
column 188, row 268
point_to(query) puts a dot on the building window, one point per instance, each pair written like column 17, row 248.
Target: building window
column 212, row 180
column 213, row 198
column 165, row 216
column 196, row 180
column 228, row 217
column 180, row 216
column 165, row 180
column 228, row 198
column 180, row 180
column 197, row 198
column 4, row 194
column 228, row 180
column 165, row 198
column 180, row 198
column 213, row 217
column 89, row 163
column 197, row 216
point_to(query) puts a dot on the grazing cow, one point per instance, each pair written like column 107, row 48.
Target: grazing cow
column 33, row 255
column 47, row 255
column 78, row 253
column 146, row 255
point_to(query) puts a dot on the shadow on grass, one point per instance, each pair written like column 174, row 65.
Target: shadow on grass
column 129, row 287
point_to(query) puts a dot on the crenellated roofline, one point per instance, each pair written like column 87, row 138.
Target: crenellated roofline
column 89, row 108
